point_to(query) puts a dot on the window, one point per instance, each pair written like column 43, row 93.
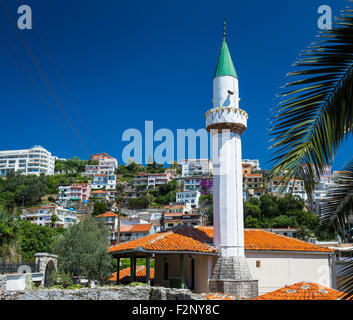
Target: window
column 258, row 263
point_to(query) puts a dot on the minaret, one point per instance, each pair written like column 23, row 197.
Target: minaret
column 226, row 122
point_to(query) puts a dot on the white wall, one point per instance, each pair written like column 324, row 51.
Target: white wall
column 280, row 269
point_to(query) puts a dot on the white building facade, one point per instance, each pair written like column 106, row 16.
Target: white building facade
column 192, row 197
column 35, row 160
column 42, row 216
column 195, row 167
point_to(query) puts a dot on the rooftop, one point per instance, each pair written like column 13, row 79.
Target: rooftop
column 302, row 291
column 107, row 215
column 200, row 240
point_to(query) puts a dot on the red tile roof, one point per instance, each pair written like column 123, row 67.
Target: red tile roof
column 141, row 227
column 183, row 238
column 126, row 228
column 124, row 275
column 98, row 191
column 186, row 238
column 261, row 240
column 107, row 214
column 302, row 291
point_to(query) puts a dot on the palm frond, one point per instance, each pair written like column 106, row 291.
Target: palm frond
column 337, row 207
column 316, row 112
column 338, row 203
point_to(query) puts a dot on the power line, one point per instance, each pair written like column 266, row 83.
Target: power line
column 63, row 83
column 27, row 72
column 44, row 77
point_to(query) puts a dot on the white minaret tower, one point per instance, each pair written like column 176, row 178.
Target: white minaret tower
column 226, row 122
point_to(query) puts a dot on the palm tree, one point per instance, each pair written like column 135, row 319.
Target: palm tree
column 315, row 116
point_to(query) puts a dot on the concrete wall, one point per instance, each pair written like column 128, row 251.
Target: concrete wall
column 276, row 270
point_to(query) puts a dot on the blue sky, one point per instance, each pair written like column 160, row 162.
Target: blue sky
column 126, row 62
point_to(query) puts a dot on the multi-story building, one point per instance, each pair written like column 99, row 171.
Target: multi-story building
column 107, row 165
column 191, row 197
column 153, row 180
column 294, row 187
column 76, row 191
column 101, row 181
column 111, row 220
column 252, row 181
column 42, row 216
column 180, row 214
column 246, row 168
column 196, row 167
column 35, row 160
column 100, row 195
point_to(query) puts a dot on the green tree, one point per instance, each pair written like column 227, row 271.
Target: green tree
column 33, row 238
column 269, row 206
column 99, row 207
column 252, row 223
column 83, row 251
column 251, row 209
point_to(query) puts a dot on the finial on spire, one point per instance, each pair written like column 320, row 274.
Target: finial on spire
column 224, row 29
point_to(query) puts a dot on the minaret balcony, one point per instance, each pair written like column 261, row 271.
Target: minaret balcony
column 233, row 119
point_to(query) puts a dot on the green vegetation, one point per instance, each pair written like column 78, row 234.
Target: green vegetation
column 275, row 212
column 18, row 190
column 74, row 165
column 21, row 239
column 100, row 207
column 83, row 251
column 125, row 263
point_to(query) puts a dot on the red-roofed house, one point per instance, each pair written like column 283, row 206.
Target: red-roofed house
column 135, row 231
column 185, row 257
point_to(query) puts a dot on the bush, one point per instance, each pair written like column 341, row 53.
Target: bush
column 60, row 279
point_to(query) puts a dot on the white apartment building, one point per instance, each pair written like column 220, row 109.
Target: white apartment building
column 41, row 216
column 191, row 197
column 153, row 180
column 107, row 181
column 192, row 167
column 35, row 160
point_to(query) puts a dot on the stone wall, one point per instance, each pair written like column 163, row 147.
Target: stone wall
column 105, row 293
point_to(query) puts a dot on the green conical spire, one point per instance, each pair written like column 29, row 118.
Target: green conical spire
column 225, row 66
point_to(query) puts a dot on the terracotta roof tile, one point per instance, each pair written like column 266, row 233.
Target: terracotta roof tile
column 141, row 227
column 107, row 214
column 183, row 238
column 257, row 239
column 186, row 238
column 124, row 275
column 126, row 228
column 302, row 291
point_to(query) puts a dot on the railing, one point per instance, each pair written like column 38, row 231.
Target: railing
column 6, row 267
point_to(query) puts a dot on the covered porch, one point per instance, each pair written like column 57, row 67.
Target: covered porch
column 183, row 270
